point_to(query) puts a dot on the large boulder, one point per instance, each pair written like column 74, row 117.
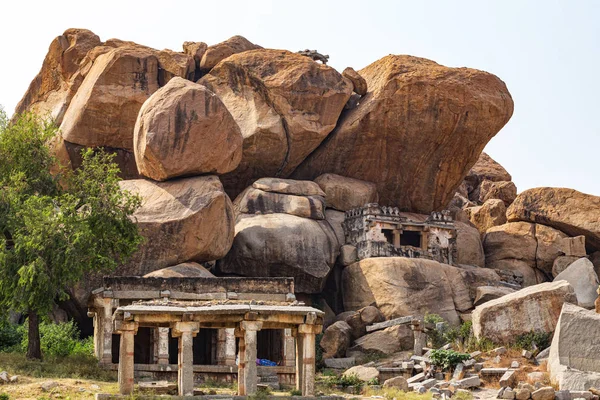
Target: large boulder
column 527, row 248
column 336, row 340
column 283, row 245
column 285, row 104
column 359, row 83
column 212, row 55
column 105, row 108
column 344, row 194
column 583, row 279
column 573, row 362
column 416, row 133
column 487, row 293
column 384, row 342
column 533, row 309
column 505, row 191
column 491, row 213
column 256, row 201
column 486, row 168
column 363, row 373
column 568, row 210
column 468, row 244
column 401, row 286
column 359, row 320
column 183, row 270
column 289, row 186
column 181, row 220
column 561, row 263
column 52, row 89
column 184, row 129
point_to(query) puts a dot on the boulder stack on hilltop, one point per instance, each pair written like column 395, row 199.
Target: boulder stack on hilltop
column 257, row 162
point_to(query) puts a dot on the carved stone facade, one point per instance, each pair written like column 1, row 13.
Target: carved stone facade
column 386, row 232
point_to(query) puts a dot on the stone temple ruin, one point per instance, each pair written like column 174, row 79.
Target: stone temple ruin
column 378, row 231
column 205, row 328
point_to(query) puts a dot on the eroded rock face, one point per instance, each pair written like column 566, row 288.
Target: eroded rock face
column 214, row 54
column 468, row 244
column 283, row 245
column 408, row 132
column 255, row 201
column 183, row 270
column 385, row 342
column 336, row 340
column 289, row 186
column 491, row 213
column 505, row 191
column 568, row 210
column 535, row 308
column 487, row 293
column 523, row 247
column 188, row 219
column 359, row 83
column 52, row 89
column 407, row 286
column 573, row 362
column 105, row 108
column 345, row 194
column 184, row 129
column 285, row 105
column 582, row 277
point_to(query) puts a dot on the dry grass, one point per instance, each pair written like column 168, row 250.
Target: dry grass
column 30, row 388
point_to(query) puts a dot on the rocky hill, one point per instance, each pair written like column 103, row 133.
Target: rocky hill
column 247, row 159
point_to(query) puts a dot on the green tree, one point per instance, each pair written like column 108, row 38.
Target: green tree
column 55, row 228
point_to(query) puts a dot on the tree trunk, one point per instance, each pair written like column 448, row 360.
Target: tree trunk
column 34, row 351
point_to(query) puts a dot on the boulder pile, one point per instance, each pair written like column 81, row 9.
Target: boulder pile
column 247, row 159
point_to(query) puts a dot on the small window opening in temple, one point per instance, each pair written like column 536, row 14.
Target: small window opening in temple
column 410, row 238
column 389, row 235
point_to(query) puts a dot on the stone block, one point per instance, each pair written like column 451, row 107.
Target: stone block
column 573, row 246
column 470, row 382
column 508, row 379
column 522, row 394
column 544, row 393
column 340, row 363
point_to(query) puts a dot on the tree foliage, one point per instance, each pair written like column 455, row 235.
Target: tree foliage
column 54, row 228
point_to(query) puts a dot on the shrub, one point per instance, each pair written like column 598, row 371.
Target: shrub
column 295, row 392
column 60, row 340
column 447, row 359
column 4, row 396
column 345, row 380
column 10, row 336
column 540, row 339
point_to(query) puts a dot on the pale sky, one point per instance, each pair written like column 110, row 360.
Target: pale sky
column 547, row 52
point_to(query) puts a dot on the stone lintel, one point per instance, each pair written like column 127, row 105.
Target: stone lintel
column 309, row 329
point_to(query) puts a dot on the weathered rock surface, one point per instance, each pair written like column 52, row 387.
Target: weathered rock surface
column 359, row 320
column 398, row 382
column 488, row 293
column 196, row 50
column 283, row 245
column 523, row 247
column 385, row 342
column 359, row 83
column 406, row 286
column 573, row 362
column 182, row 220
column 535, row 308
column 561, row 263
column 69, row 155
column 336, row 340
column 285, row 105
column 335, row 219
column 485, row 169
column 52, row 89
column 468, row 243
column 105, row 108
column 183, row 270
column 345, row 194
column 568, row 210
column 408, row 132
column 583, row 279
column 363, row 373
column 491, row 213
column 214, row 54
column 503, row 190
column 184, row 129
column 255, row 201
column 289, row 186
column 173, row 64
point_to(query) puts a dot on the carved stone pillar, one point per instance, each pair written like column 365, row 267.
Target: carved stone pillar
column 250, row 376
column 127, row 330
column 299, row 359
column 241, row 363
column 307, row 378
column 420, row 337
column 106, row 330
column 163, row 346
column 289, row 348
column 229, row 346
column 185, row 331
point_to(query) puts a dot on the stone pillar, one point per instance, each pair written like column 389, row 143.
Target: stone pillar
column 229, row 346
column 127, row 330
column 250, row 376
column 241, row 363
column 308, row 333
column 420, row 337
column 163, row 346
column 289, row 348
column 106, row 330
column 185, row 331
column 98, row 336
column 299, row 358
